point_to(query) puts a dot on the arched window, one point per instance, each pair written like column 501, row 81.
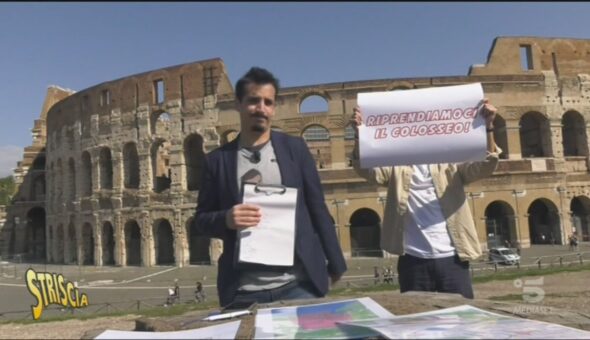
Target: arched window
column 106, row 169
column 163, row 242
column 72, row 178
column 534, row 135
column 313, row 105
column 193, row 158
column 500, row 224
column 131, row 166
column 86, row 174
column 160, row 123
column 229, row 136
column 108, row 244
column 544, row 222
column 317, row 138
column 580, row 208
column 132, row 243
column 316, row 133
column 365, row 233
column 573, row 131
column 39, row 163
column 161, row 165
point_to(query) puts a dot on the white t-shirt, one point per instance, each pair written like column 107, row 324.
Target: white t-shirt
column 425, row 233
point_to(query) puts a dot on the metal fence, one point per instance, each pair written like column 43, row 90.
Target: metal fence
column 127, row 307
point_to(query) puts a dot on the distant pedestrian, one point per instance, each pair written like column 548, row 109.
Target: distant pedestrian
column 376, row 275
column 507, row 244
column 173, row 294
column 199, row 293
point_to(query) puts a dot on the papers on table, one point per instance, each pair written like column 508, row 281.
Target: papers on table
column 272, row 241
column 227, row 330
column 466, row 322
column 318, row 321
column 424, row 126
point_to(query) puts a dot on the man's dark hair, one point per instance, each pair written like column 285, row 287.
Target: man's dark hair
column 258, row 76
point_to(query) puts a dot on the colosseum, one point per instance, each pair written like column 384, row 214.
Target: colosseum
column 112, row 176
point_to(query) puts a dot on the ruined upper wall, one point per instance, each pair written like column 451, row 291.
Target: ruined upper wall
column 186, row 84
column 565, row 57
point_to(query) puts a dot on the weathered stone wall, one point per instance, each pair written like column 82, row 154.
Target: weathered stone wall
column 123, row 157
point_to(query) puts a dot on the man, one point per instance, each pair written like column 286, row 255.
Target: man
column 199, row 293
column 427, row 220
column 259, row 155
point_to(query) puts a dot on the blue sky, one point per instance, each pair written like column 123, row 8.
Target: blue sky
column 78, row 45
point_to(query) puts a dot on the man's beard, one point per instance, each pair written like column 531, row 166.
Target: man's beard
column 258, row 128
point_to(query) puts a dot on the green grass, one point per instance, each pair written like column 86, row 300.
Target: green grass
column 156, row 311
column 516, row 274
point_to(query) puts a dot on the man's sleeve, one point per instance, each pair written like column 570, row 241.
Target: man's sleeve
column 472, row 171
column 320, row 216
column 210, row 220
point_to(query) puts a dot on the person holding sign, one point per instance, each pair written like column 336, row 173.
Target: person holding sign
column 263, row 157
column 427, row 220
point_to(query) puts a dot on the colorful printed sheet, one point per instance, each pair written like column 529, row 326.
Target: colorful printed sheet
column 318, row 321
column 466, row 322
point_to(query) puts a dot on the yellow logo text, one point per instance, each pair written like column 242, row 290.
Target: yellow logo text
column 51, row 288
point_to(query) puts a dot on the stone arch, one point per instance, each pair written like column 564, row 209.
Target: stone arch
column 500, row 136
column 365, row 233
column 544, row 222
column 198, row 245
column 534, row 135
column 36, row 240
column 38, row 188
column 400, row 85
column 59, row 244
column 163, row 242
column 580, row 208
column 86, row 175
column 108, row 244
column 72, row 244
column 229, row 136
column 573, row 132
column 131, row 166
column 349, row 134
column 50, row 242
column 160, row 122
column 194, row 156
column 38, row 163
column 500, row 224
column 133, row 242
column 106, row 168
column 317, row 138
column 313, row 103
column 59, row 180
column 87, row 244
column 160, row 154
column 72, row 179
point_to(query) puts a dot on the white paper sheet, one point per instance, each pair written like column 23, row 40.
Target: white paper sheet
column 272, row 241
column 424, row 126
column 467, row 322
column 227, row 330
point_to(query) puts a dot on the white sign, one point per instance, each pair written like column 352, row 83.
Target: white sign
column 275, row 234
column 227, row 330
column 424, row 126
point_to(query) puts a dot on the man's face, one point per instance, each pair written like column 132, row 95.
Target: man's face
column 257, row 107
